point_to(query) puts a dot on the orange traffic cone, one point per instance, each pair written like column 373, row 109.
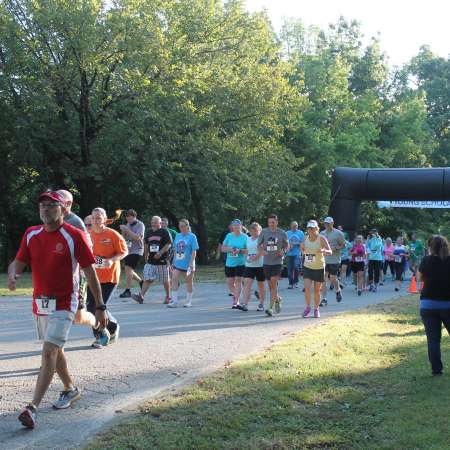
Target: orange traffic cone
column 413, row 286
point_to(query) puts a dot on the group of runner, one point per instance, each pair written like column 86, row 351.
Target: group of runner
column 76, row 268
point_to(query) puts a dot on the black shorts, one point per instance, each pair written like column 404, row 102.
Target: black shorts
column 345, row 262
column 132, row 260
column 357, row 266
column 317, row 275
column 272, row 271
column 232, row 272
column 332, row 269
column 254, row 272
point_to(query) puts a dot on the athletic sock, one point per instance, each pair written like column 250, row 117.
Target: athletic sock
column 174, row 296
column 189, row 297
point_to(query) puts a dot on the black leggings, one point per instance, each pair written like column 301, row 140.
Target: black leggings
column 107, row 290
column 391, row 266
column 399, row 269
column 374, row 271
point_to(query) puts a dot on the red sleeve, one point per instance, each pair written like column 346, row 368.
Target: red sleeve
column 83, row 252
column 23, row 254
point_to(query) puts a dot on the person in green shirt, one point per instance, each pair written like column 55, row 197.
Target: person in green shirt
column 173, row 233
column 416, row 253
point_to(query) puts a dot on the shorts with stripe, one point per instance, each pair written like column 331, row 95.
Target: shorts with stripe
column 154, row 272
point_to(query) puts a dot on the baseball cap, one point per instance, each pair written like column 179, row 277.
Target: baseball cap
column 312, row 224
column 374, row 230
column 52, row 195
column 236, row 222
column 328, row 220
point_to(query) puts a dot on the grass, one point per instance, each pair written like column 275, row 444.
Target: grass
column 24, row 289
column 356, row 381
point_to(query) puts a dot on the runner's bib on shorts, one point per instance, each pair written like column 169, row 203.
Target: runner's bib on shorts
column 310, row 258
column 397, row 259
column 45, row 305
column 153, row 248
column 359, row 258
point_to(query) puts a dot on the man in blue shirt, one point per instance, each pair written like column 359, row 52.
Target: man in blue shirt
column 375, row 251
column 295, row 237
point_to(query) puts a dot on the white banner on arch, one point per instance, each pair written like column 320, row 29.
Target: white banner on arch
column 438, row 204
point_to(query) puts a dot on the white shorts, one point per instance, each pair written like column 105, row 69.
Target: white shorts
column 55, row 327
column 153, row 272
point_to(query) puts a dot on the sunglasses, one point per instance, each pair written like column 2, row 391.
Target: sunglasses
column 88, row 224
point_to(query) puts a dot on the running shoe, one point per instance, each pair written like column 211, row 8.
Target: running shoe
column 316, row 314
column 187, row 305
column 331, row 287
column 371, row 288
column 381, row 283
column 260, row 307
column 103, row 339
column 230, row 294
column 338, row 297
column 167, row 301
column 374, row 289
column 243, row 307
column 28, row 417
column 324, row 302
column 257, row 294
column 396, row 289
column 306, row 311
column 290, row 286
column 66, row 398
column 115, row 336
column 269, row 312
column 138, row 298
column 341, row 285
column 278, row 305
column 172, row 305
column 296, row 285
column 235, row 306
column 125, row 294
column 359, row 292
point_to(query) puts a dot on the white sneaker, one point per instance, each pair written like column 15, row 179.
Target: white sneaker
column 172, row 305
column 187, row 305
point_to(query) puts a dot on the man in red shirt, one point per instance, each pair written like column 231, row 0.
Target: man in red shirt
column 54, row 251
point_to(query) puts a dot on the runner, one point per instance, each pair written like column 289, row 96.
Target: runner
column 314, row 249
column 234, row 245
column 293, row 255
column 82, row 316
column 55, row 251
column 358, row 252
column 375, row 251
column 253, row 268
column 389, row 258
column 157, row 245
column 345, row 262
column 186, row 246
column 434, row 272
column 273, row 241
column 400, row 254
column 133, row 233
column 336, row 240
column 165, row 225
column 109, row 248
column 416, row 253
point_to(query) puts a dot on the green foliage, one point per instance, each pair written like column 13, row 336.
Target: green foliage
column 198, row 109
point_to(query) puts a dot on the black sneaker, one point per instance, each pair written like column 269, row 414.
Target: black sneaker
column 290, row 286
column 138, row 298
column 331, row 287
column 338, row 297
column 324, row 302
column 235, row 306
column 243, row 308
column 257, row 294
column 359, row 292
column 125, row 294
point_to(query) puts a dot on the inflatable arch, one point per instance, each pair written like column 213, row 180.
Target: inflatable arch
column 351, row 186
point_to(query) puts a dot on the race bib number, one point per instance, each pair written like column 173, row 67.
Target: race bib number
column 398, row 259
column 413, row 247
column 153, row 248
column 45, row 305
column 374, row 251
column 99, row 263
column 310, row 258
column 359, row 258
column 179, row 256
column 129, row 244
column 271, row 245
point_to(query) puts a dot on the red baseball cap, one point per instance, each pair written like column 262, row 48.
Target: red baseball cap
column 52, row 195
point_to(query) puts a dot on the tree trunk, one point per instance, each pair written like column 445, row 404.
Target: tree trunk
column 200, row 229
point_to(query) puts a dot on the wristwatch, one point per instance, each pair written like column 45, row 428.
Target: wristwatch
column 101, row 307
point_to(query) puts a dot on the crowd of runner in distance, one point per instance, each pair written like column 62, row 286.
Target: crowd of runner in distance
column 76, row 269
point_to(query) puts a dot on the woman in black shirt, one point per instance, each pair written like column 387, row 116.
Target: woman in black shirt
column 434, row 271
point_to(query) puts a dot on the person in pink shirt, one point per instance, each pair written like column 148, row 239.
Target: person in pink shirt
column 358, row 253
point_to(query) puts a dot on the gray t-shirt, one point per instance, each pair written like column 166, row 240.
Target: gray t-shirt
column 75, row 221
column 272, row 242
column 136, row 247
column 335, row 238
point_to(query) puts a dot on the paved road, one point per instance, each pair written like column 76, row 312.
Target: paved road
column 159, row 349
